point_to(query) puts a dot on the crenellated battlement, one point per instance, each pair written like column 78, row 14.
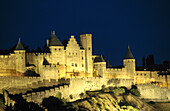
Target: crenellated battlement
column 46, row 93
column 19, row 78
column 50, row 66
column 114, row 69
column 5, row 56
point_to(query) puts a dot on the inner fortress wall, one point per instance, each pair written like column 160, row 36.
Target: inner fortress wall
column 7, row 65
column 152, row 76
column 49, row 72
column 37, row 60
column 116, row 73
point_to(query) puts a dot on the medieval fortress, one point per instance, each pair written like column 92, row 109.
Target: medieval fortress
column 75, row 66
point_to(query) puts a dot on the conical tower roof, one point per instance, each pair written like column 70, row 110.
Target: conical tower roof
column 19, row 46
column 54, row 41
column 129, row 54
column 99, row 59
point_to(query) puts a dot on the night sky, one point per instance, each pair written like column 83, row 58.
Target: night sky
column 143, row 24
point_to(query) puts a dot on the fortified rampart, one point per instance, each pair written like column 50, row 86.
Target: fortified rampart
column 16, row 82
column 49, row 71
column 7, row 65
column 76, row 87
column 152, row 77
column 116, row 73
column 154, row 92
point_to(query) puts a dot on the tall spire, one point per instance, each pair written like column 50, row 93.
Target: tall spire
column 129, row 54
column 19, row 45
column 53, row 32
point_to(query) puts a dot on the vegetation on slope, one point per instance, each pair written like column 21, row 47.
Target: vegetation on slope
column 112, row 98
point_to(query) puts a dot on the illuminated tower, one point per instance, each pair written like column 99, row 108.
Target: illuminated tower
column 20, row 57
column 129, row 63
column 57, row 56
column 57, row 50
column 99, row 67
column 86, row 42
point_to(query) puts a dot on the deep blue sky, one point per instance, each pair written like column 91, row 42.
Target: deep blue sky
column 143, row 24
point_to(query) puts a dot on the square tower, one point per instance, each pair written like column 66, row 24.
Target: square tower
column 86, row 43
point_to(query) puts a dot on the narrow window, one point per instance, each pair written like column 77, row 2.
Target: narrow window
column 75, row 65
column 82, row 65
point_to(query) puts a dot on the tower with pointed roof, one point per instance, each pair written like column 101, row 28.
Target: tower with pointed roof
column 57, row 52
column 20, row 57
column 56, row 49
column 129, row 63
column 99, row 65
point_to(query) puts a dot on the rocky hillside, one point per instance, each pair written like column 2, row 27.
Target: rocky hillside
column 97, row 101
column 107, row 99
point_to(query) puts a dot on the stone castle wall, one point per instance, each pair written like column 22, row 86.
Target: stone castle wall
column 152, row 76
column 154, row 92
column 115, row 72
column 76, row 87
column 16, row 82
column 49, row 72
column 7, row 65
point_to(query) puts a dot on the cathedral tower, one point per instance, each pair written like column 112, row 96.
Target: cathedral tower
column 86, row 43
column 129, row 63
column 20, row 57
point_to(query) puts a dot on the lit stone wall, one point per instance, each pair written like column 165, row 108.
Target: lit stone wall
column 49, row 72
column 16, row 82
column 154, row 92
column 116, row 73
column 57, row 55
column 86, row 42
column 20, row 60
column 99, row 69
column 151, row 76
column 168, row 80
column 130, row 66
column 76, row 87
column 143, row 77
column 75, row 57
column 7, row 65
column 37, row 60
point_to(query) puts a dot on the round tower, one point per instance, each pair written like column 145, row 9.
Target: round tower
column 129, row 63
column 99, row 67
column 20, row 57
